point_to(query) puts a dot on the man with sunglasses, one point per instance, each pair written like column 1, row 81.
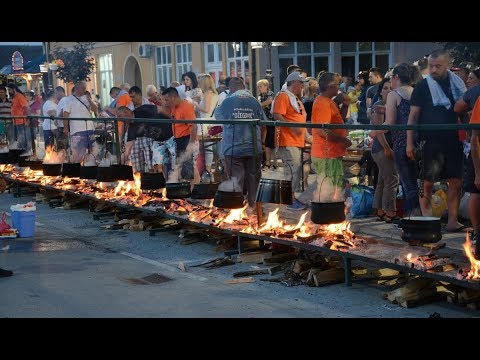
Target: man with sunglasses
column 291, row 140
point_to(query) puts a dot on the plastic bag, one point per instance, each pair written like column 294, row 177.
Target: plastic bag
column 4, row 226
column 362, row 201
column 30, row 206
column 439, row 203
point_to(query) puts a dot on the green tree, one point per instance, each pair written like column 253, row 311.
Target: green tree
column 78, row 64
column 463, row 51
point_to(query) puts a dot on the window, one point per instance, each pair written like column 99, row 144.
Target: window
column 105, row 70
column 358, row 56
column 163, row 59
column 237, row 61
column 213, row 60
column 312, row 57
column 183, row 56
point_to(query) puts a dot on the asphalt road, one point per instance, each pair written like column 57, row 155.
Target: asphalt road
column 72, row 268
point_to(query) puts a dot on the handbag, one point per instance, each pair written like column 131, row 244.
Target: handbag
column 214, row 130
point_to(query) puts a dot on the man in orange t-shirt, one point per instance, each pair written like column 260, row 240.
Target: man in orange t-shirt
column 20, row 132
column 185, row 135
column 472, row 179
column 328, row 146
column 290, row 140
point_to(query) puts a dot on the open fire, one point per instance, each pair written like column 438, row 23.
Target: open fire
column 336, row 236
column 473, row 273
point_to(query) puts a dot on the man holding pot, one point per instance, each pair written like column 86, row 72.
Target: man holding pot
column 328, row 146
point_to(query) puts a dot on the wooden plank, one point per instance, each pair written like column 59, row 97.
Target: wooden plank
column 280, row 258
column 239, row 280
column 301, row 265
column 251, row 272
column 181, row 266
column 329, row 276
column 253, row 257
column 385, row 272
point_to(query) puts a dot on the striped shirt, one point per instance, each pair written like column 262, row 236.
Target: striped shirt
column 5, row 108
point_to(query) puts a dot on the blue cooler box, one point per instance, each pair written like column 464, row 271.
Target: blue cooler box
column 24, row 222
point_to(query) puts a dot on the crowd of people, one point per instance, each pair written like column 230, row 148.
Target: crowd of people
column 430, row 91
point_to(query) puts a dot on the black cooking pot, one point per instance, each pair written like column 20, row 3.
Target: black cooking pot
column 421, row 228
column 328, row 213
column 105, row 174
column 88, row 172
column 122, row 172
column 204, row 190
column 228, row 199
column 35, row 164
column 5, row 158
column 152, row 181
column 71, row 169
column 15, row 153
column 52, row 169
column 178, row 190
column 22, row 160
column 274, row 191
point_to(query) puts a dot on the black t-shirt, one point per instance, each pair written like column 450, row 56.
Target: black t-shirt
column 434, row 114
column 158, row 132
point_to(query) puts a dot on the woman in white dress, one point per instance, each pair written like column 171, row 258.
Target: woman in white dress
column 205, row 109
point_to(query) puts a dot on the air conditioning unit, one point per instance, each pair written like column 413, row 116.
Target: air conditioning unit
column 144, row 50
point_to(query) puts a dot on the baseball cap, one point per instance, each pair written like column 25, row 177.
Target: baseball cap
column 463, row 65
column 295, row 76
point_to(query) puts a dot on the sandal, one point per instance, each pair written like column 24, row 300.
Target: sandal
column 380, row 217
column 392, row 219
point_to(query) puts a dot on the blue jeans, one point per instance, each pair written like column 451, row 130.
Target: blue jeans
column 407, row 172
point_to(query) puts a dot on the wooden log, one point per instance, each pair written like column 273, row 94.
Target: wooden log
column 467, row 296
column 240, row 280
column 385, row 272
column 415, row 289
column 330, row 276
column 251, row 272
column 253, row 257
column 301, row 265
column 181, row 266
column 280, row 258
column 359, row 270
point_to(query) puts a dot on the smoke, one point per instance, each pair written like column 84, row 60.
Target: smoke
column 4, row 149
column 326, row 191
column 174, row 175
column 53, row 157
column 230, row 185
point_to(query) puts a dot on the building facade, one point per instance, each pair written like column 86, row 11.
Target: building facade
column 160, row 63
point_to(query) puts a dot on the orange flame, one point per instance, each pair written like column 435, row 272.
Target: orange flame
column 236, row 215
column 475, row 264
column 138, row 183
column 409, row 256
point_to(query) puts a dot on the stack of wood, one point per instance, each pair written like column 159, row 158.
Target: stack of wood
column 139, row 223
column 417, row 291
column 462, row 296
column 313, row 269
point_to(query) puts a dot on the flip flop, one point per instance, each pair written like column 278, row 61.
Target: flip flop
column 460, row 229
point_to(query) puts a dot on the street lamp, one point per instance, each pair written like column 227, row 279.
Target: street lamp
column 268, row 49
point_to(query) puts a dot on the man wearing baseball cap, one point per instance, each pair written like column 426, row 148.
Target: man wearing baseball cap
column 290, row 140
